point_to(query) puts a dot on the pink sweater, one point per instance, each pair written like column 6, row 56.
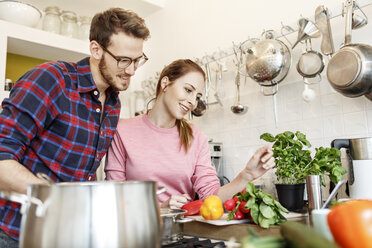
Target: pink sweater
column 143, row 151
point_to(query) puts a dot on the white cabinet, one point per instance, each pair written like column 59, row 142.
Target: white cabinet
column 26, row 41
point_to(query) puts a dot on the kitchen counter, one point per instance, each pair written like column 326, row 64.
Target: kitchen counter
column 237, row 231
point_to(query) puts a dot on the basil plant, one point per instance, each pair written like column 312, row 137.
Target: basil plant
column 293, row 161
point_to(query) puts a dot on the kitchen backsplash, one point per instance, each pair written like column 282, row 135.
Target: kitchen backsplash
column 329, row 116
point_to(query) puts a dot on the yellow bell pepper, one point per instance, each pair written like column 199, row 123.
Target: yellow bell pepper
column 212, row 208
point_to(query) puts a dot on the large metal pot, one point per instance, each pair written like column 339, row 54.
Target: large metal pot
column 91, row 214
column 350, row 69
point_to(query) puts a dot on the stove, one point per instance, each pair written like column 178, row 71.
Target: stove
column 190, row 241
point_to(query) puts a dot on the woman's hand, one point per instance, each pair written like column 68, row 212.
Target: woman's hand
column 261, row 161
column 176, row 201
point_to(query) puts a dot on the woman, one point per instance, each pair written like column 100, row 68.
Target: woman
column 163, row 146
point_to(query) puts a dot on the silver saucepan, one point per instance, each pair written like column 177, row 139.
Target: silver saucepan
column 173, row 220
column 90, row 214
column 350, row 69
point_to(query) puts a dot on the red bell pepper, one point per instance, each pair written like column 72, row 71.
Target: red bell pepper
column 193, row 208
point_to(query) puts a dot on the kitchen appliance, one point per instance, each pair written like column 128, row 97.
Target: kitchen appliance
column 216, row 151
column 190, row 241
column 359, row 154
column 349, row 70
column 90, row 214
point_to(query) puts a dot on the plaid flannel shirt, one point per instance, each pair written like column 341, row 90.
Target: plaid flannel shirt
column 51, row 123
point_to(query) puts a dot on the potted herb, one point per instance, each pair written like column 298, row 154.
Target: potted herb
column 294, row 162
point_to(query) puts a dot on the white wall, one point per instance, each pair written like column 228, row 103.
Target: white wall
column 194, row 28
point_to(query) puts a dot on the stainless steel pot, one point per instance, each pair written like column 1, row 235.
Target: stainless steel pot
column 90, row 214
column 350, row 69
column 173, row 220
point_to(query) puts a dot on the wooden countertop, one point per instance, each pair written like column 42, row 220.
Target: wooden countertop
column 237, row 231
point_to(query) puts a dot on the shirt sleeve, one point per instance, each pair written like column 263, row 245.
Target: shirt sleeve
column 116, row 160
column 205, row 178
column 29, row 108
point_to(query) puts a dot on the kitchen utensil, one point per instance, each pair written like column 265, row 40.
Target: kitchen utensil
column 238, row 108
column 20, row 13
column 90, row 214
column 200, row 109
column 359, row 154
column 357, row 20
column 310, row 63
column 324, row 26
column 349, row 70
column 268, row 61
column 333, row 193
column 308, row 94
column 314, row 192
column 306, row 29
column 173, row 220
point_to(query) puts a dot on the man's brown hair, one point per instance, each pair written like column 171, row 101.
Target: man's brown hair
column 116, row 20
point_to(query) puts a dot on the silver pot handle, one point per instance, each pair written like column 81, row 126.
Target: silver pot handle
column 25, row 201
column 184, row 220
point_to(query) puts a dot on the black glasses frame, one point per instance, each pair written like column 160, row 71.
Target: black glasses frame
column 128, row 61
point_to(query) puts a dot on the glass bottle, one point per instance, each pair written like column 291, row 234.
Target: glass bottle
column 69, row 26
column 84, row 27
column 52, row 21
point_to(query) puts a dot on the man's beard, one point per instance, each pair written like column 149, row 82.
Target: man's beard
column 104, row 73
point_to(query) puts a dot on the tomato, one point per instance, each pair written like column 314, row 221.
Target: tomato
column 238, row 215
column 242, row 209
column 236, row 198
column 229, row 205
column 351, row 223
column 193, row 208
column 243, row 191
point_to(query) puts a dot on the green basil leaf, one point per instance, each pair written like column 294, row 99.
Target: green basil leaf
column 263, row 222
column 254, row 213
column 250, row 188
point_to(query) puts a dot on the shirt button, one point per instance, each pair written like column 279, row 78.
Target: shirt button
column 97, row 155
column 98, row 110
column 89, row 178
column 102, row 133
column 95, row 92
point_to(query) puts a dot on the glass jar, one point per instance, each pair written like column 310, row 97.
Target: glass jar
column 52, row 21
column 84, row 27
column 69, row 26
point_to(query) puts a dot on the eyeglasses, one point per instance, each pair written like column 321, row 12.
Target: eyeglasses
column 124, row 62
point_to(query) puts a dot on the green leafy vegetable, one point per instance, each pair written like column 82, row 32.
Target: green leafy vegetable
column 255, row 241
column 293, row 162
column 264, row 209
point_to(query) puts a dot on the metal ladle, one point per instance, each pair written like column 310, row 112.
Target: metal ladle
column 238, row 109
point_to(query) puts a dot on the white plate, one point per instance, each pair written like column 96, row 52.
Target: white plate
column 220, row 222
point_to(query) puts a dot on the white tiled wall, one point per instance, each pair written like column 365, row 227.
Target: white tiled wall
column 331, row 115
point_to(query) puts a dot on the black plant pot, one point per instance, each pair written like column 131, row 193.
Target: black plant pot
column 291, row 196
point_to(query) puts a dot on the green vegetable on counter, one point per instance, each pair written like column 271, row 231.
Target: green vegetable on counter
column 255, row 241
column 298, row 235
column 264, row 209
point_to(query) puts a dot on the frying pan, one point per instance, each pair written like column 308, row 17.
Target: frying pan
column 349, row 71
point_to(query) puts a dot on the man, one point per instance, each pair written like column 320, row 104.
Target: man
column 60, row 117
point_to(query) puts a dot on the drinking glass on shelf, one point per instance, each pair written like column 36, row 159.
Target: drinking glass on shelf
column 52, row 20
column 84, row 27
column 69, row 26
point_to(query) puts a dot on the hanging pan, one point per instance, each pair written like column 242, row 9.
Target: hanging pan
column 350, row 69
